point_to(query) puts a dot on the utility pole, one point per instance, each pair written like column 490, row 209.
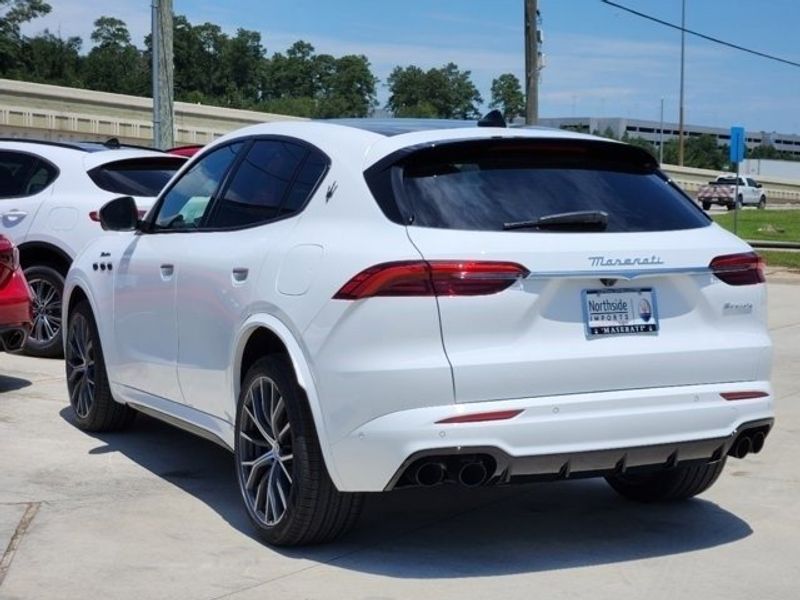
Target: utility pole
column 163, row 128
column 661, row 136
column 683, row 60
column 531, row 62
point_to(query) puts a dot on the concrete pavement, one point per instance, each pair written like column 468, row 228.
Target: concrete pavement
column 154, row 513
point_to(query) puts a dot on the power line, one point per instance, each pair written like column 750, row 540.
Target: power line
column 702, row 35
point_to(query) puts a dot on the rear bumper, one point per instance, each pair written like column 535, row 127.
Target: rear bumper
column 587, row 432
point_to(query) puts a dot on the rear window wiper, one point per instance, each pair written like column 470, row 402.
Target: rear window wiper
column 582, row 220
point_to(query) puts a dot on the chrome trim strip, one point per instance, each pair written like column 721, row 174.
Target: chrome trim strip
column 610, row 274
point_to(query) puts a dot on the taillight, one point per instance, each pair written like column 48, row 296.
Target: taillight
column 9, row 259
column 746, row 268
column 432, row 278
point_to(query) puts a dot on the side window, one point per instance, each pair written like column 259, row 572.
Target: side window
column 261, row 184
column 306, row 182
column 24, row 174
column 185, row 203
column 751, row 182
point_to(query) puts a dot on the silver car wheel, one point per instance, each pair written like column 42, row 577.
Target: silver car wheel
column 80, row 366
column 265, row 452
column 46, row 310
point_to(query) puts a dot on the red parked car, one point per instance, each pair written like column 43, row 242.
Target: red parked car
column 187, row 151
column 16, row 310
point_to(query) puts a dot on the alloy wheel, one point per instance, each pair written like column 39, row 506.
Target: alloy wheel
column 46, row 310
column 80, row 361
column 265, row 452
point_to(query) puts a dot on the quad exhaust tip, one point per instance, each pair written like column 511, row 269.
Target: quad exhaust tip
column 472, row 474
column 430, row 473
column 743, row 447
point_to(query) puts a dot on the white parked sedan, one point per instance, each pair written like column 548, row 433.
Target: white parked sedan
column 367, row 305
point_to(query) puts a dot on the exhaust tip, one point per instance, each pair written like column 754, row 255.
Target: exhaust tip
column 742, row 447
column 430, row 473
column 758, row 441
column 472, row 474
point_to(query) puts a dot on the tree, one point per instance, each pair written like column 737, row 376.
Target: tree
column 446, row 93
column 14, row 14
column 507, row 96
column 114, row 64
column 641, row 143
column 47, row 58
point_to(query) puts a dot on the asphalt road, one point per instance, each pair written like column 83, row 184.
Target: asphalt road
column 154, row 513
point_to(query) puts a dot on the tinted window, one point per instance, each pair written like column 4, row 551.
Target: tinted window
column 260, row 185
column 306, row 182
column 24, row 174
column 136, row 177
column 185, row 203
column 482, row 185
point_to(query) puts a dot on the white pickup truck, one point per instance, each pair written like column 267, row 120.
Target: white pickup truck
column 722, row 191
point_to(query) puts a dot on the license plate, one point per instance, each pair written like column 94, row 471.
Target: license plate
column 620, row 312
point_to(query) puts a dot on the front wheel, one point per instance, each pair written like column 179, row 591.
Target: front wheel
column 287, row 491
column 47, row 288
column 762, row 202
column 87, row 383
column 679, row 483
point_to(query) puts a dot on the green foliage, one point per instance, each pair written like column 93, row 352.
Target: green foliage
column 114, row 64
column 507, row 96
column 700, row 151
column 14, row 13
column 770, row 152
column 753, row 224
column 446, row 93
column 640, row 142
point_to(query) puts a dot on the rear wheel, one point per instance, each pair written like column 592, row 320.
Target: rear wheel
column 47, row 287
column 89, row 393
column 679, row 483
column 287, row 491
column 706, row 205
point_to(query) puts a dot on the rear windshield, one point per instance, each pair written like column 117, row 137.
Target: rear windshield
column 137, row 176
column 725, row 181
column 485, row 184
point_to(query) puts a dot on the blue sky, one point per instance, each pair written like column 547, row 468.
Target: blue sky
column 600, row 60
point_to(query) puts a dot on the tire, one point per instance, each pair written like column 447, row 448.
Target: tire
column 730, row 206
column 762, row 203
column 675, row 484
column 87, row 382
column 290, row 501
column 706, row 205
column 47, row 286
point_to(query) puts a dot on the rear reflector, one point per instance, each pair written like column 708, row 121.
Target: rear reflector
column 432, row 278
column 743, row 395
column 739, row 269
column 499, row 415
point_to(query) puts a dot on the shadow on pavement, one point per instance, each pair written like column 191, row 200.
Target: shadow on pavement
column 448, row 532
column 9, row 384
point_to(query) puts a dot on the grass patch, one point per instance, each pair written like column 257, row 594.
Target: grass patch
column 776, row 258
column 777, row 225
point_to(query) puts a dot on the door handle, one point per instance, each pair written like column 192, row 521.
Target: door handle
column 240, row 274
column 167, row 271
column 14, row 216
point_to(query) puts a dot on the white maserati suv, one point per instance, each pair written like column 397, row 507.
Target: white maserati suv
column 360, row 306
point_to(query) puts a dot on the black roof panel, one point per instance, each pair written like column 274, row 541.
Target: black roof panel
column 390, row 127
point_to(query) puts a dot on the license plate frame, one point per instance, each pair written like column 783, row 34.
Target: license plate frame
column 639, row 317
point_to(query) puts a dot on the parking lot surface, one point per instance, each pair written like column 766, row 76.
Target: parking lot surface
column 155, row 513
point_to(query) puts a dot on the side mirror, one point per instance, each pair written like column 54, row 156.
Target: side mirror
column 119, row 214
column 758, row 185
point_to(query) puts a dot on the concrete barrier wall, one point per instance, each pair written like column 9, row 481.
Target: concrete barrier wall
column 37, row 110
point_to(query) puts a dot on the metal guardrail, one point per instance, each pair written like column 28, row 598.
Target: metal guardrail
column 773, row 245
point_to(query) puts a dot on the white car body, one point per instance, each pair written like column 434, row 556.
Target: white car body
column 176, row 313
column 50, row 221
